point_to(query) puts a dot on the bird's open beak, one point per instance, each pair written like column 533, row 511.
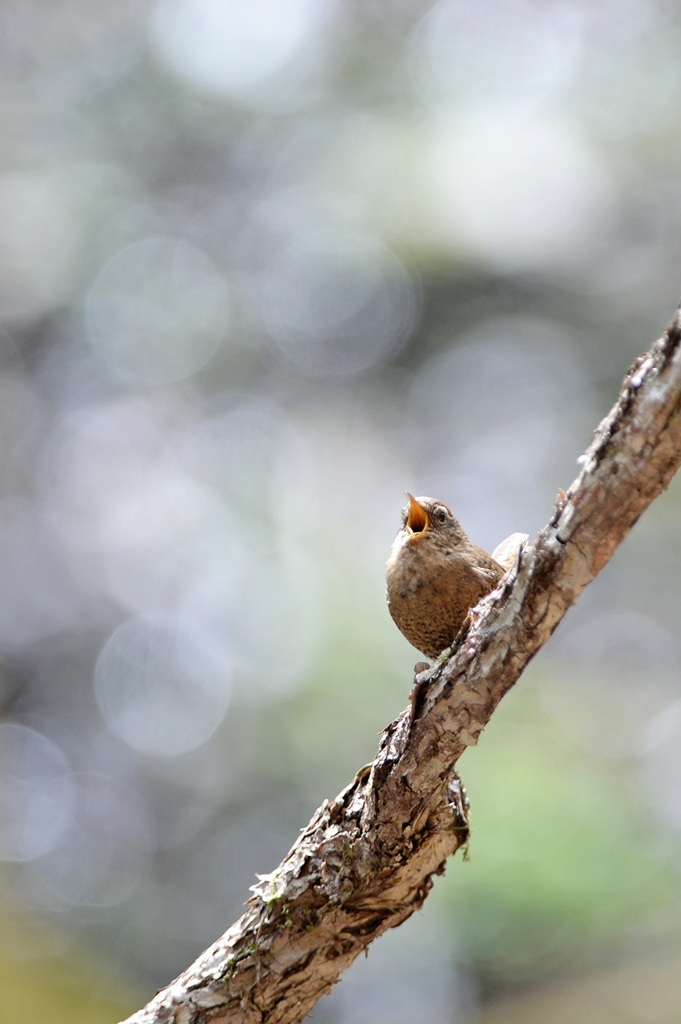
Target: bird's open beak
column 417, row 520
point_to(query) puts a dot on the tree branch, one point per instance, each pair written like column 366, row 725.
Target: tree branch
column 365, row 861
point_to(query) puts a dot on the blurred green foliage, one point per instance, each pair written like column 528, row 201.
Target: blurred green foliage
column 566, row 867
column 62, row 990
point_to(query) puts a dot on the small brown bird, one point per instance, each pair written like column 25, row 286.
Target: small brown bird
column 436, row 574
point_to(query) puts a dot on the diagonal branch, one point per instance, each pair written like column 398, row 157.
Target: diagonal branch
column 365, row 861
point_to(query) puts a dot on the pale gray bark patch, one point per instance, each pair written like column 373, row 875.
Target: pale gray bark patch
column 366, row 860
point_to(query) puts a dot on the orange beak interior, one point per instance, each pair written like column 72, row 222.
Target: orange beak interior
column 417, row 520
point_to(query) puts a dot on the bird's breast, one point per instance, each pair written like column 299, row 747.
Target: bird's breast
column 414, row 564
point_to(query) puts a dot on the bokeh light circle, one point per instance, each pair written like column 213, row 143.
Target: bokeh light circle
column 36, row 793
column 519, row 192
column 226, row 46
column 162, row 685
column 338, row 302
column 508, row 48
column 157, row 311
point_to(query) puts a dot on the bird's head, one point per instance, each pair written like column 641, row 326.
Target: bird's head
column 422, row 516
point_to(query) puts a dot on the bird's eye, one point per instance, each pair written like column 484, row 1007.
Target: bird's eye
column 443, row 515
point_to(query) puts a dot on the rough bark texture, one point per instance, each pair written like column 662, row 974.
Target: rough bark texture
column 366, row 860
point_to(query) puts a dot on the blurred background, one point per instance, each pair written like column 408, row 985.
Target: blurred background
column 263, row 266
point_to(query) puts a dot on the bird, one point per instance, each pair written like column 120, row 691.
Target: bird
column 436, row 574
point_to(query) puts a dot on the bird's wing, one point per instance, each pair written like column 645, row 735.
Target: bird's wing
column 507, row 552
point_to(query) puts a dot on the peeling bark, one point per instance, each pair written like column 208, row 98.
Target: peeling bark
column 366, row 860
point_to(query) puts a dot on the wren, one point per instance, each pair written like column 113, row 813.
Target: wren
column 436, row 574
